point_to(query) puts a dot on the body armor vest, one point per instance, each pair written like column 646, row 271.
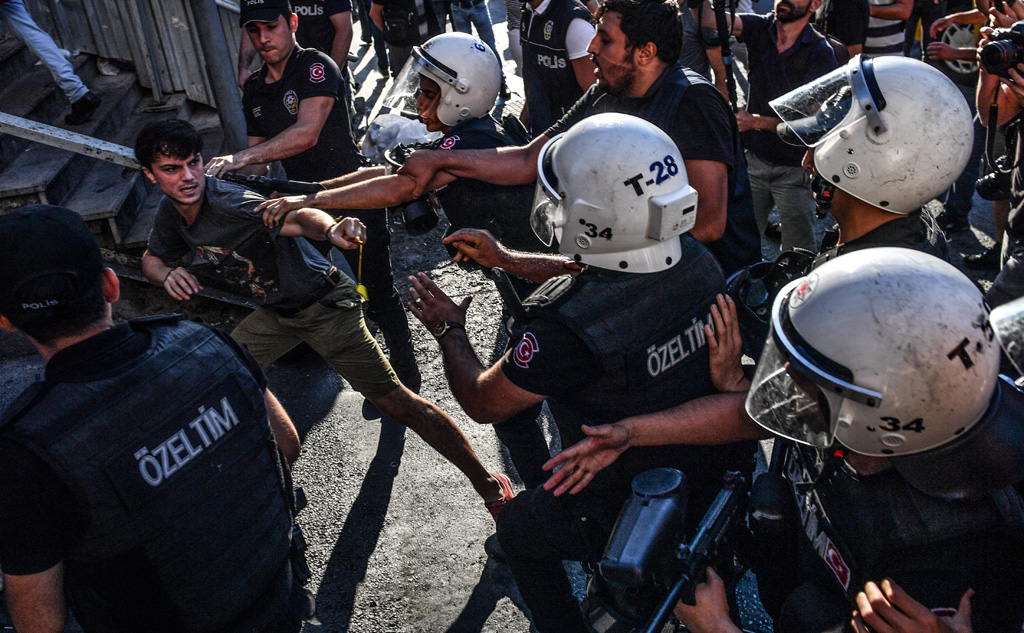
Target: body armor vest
column 548, row 75
column 502, row 210
column 841, row 511
column 172, row 455
column 652, row 354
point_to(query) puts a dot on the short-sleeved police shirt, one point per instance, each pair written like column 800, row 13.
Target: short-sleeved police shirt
column 315, row 27
column 229, row 245
column 271, row 108
column 502, row 210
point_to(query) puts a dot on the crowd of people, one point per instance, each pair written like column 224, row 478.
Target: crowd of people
column 892, row 500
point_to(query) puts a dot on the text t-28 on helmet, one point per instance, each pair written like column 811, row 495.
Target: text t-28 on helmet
column 464, row 68
column 892, row 131
column 886, row 351
column 613, row 191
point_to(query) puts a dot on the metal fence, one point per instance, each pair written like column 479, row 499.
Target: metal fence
column 159, row 37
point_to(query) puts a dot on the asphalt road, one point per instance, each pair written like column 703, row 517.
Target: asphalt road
column 395, row 532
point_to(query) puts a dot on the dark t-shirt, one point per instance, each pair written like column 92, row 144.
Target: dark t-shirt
column 693, row 54
column 272, row 108
column 229, row 246
column 703, row 128
column 40, row 521
column 502, row 210
column 315, row 27
column 552, row 361
column 773, row 74
column 847, row 21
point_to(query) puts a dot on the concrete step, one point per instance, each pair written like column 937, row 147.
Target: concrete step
column 35, row 96
column 45, row 174
column 15, row 59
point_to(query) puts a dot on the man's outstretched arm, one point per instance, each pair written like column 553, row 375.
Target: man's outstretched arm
column 501, row 166
column 486, row 395
column 480, row 246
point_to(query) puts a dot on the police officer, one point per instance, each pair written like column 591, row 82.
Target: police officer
column 590, row 363
column 636, row 51
column 292, row 114
column 133, row 471
column 886, row 135
column 557, row 69
column 452, row 81
column 906, row 447
column 325, row 25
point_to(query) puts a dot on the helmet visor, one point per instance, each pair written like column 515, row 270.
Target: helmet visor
column 787, row 403
column 1008, row 322
column 838, row 99
column 401, row 98
column 547, row 214
column 797, row 391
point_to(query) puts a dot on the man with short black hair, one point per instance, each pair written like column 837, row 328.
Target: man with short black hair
column 135, row 427
column 294, row 113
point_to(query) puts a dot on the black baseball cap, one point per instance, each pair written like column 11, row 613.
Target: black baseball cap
column 262, row 10
column 50, row 264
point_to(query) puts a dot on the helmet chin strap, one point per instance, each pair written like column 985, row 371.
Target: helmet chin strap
column 823, row 191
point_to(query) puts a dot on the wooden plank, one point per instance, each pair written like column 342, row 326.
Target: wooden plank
column 67, row 140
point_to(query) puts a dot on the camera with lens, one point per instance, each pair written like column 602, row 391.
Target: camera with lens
column 1004, row 50
column 421, row 214
column 994, row 186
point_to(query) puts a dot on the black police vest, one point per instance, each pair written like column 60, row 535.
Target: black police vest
column 548, row 75
column 646, row 332
column 502, row 210
column 173, row 456
column 857, row 527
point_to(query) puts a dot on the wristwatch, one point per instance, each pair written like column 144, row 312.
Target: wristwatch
column 444, row 327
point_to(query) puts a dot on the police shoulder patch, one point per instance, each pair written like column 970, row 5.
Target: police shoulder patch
column 449, row 142
column 317, row 73
column 525, row 350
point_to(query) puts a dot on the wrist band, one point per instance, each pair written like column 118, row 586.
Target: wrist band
column 330, row 229
column 166, row 276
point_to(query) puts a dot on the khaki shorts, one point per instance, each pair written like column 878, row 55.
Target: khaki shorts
column 338, row 335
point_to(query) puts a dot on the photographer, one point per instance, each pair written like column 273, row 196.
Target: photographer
column 1003, row 88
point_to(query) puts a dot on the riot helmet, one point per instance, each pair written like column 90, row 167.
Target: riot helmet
column 886, row 351
column 613, row 191
column 464, row 68
column 891, row 131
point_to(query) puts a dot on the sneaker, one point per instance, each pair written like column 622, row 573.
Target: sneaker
column 951, row 223
column 504, row 94
column 83, row 109
column 990, row 259
column 495, row 507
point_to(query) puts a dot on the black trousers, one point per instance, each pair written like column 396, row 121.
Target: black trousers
column 385, row 304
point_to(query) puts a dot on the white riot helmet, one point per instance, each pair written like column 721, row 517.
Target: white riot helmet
column 886, row 351
column 892, row 131
column 465, row 69
column 613, row 191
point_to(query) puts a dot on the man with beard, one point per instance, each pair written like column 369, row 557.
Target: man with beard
column 785, row 52
column 636, row 51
